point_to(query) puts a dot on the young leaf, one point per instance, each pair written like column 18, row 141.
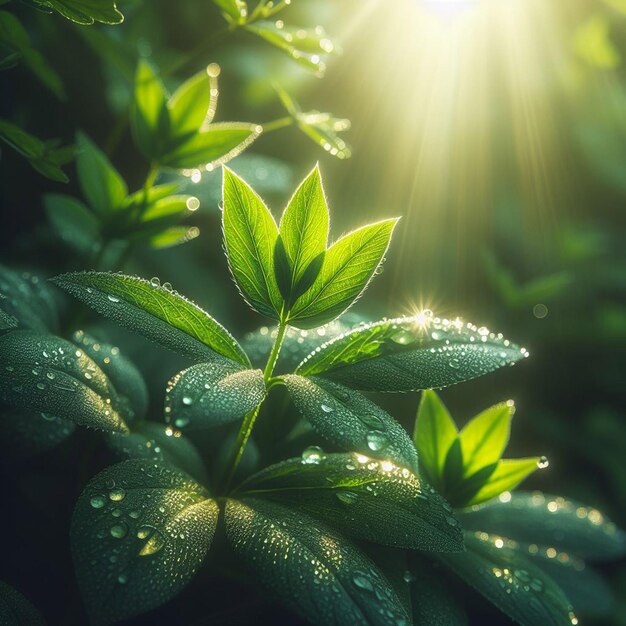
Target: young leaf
column 86, row 11
column 17, row 610
column 250, row 234
column 347, row 268
column 550, row 521
column 159, row 314
column 174, row 236
column 211, row 394
column 411, row 353
column 235, row 10
column 485, row 437
column 125, row 377
column 510, row 581
column 367, row 499
column 49, row 374
column 304, row 227
column 72, row 221
column 101, row 184
column 134, row 561
column 350, row 421
column 435, row 431
column 150, row 440
column 316, row 572
column 507, row 475
column 190, row 103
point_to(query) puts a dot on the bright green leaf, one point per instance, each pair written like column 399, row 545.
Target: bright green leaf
column 250, row 234
column 316, row 572
column 507, row 475
column 17, row 610
column 367, row 499
column 190, row 104
column 211, row 394
column 348, row 266
column 351, row 421
column 72, row 221
column 411, row 353
column 49, row 374
column 236, row 10
column 136, row 561
column 86, row 11
column 160, row 314
column 174, row 236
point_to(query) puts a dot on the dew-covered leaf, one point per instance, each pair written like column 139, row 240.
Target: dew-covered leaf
column 126, row 378
column 348, row 266
column 312, row 569
column 86, row 11
column 435, row 431
column 140, row 531
column 511, row 582
column 212, row 394
column 534, row 517
column 72, row 222
column 250, row 234
column 362, row 497
column 16, row 609
column 48, row 374
column 7, row 321
column 351, row 421
column 411, row 353
column 101, row 184
column 29, row 299
column 156, row 312
column 507, row 475
column 150, row 440
column 25, row 433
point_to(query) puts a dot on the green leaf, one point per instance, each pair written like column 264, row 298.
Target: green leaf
column 72, row 222
column 49, row 374
column 25, row 434
column 351, row 421
column 348, row 266
column 211, row 147
column 125, row 377
column 250, row 234
column 7, row 321
column 16, row 609
column 435, row 431
column 86, row 11
column 174, row 236
column 236, row 10
column 156, row 193
column 507, row 475
column 211, row 394
column 28, row 299
column 150, row 440
column 511, row 582
column 134, row 561
column 304, row 227
column 550, row 521
column 410, row 354
column 485, row 437
column 101, row 184
column 367, row 499
column 150, row 116
column 190, row 104
column 159, row 314
column 316, row 572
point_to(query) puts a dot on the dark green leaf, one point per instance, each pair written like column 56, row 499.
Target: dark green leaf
column 135, row 560
column 351, row 421
column 211, row 394
column 250, row 234
column 368, row 499
column 348, row 266
column 160, row 314
column 16, row 610
column 86, row 11
column 49, row 374
column 315, row 571
column 72, row 221
column 411, row 353
column 7, row 321
column 150, row 440
column 550, row 521
column 510, row 581
column 103, row 187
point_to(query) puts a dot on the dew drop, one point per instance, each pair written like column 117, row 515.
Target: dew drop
column 155, row 282
column 376, row 440
column 326, row 408
column 97, row 502
column 347, row 497
column 187, row 401
column 362, row 582
column 117, row 495
column 543, row 462
column 119, row 531
column 113, row 298
column 312, row 455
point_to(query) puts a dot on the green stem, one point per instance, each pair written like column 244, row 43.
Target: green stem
column 248, row 422
column 276, row 124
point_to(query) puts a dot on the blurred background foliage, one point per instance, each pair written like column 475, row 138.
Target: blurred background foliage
column 496, row 129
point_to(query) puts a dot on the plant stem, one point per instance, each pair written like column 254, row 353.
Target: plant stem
column 276, row 124
column 248, row 422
